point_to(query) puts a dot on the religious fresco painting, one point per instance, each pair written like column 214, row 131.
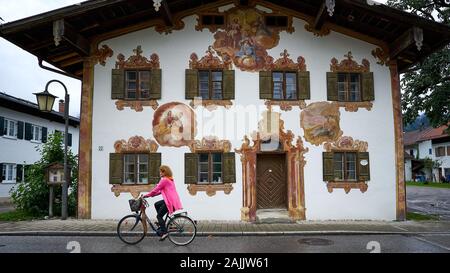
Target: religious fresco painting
column 320, row 122
column 246, row 39
column 174, row 125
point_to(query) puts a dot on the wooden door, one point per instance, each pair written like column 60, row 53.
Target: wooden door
column 271, row 182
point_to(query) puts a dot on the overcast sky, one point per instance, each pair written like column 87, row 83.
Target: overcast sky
column 20, row 74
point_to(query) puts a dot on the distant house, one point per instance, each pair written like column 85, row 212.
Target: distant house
column 431, row 143
column 23, row 128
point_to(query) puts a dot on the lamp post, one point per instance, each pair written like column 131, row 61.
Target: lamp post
column 45, row 102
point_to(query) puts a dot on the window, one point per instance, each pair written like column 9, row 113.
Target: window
column 210, row 84
column 276, row 21
column 135, row 169
column 411, row 152
column 284, row 85
column 345, row 166
column 210, row 168
column 10, row 128
column 137, row 84
column 349, row 87
column 211, row 19
column 430, row 151
column 9, row 173
column 37, row 133
column 440, row 151
column 448, row 150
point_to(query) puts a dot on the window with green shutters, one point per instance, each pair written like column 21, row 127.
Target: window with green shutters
column 210, row 84
column 134, row 168
column 284, row 85
column 346, row 166
column 136, row 84
column 350, row 87
column 209, row 168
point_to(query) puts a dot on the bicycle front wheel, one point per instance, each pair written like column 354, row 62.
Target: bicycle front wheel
column 182, row 230
column 131, row 229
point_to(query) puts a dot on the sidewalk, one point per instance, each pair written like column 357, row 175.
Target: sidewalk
column 74, row 227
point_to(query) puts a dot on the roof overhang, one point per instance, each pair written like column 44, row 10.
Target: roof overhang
column 85, row 24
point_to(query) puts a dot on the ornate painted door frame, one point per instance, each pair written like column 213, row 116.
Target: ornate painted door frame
column 295, row 162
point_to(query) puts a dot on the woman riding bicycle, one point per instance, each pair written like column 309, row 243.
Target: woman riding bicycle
column 171, row 201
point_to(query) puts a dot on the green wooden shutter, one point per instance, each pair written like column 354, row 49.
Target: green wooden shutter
column 363, row 171
column 69, row 140
column 368, row 92
column 2, row 126
column 332, row 86
column 303, row 85
column 19, row 173
column 117, row 84
column 190, row 168
column 265, row 85
column 28, row 131
column 44, row 135
column 191, row 80
column 20, row 125
column 229, row 168
column 228, row 85
column 154, row 162
column 115, row 168
column 155, row 84
column 328, row 166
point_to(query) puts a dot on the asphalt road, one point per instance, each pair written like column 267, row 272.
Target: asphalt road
column 431, row 201
column 426, row 243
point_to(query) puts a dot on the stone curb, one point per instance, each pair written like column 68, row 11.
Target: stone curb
column 206, row 233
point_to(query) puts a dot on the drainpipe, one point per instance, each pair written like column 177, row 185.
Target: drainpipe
column 56, row 71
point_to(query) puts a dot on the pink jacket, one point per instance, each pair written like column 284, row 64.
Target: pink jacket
column 166, row 187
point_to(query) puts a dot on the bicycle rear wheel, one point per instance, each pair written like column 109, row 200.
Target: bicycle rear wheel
column 182, row 230
column 131, row 229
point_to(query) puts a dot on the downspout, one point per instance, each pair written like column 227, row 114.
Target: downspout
column 57, row 71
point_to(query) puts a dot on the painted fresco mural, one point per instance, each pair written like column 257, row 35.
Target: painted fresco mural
column 246, row 39
column 320, row 122
column 174, row 125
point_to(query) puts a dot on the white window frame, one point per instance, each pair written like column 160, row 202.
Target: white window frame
column 10, row 172
column 39, row 136
column 7, row 126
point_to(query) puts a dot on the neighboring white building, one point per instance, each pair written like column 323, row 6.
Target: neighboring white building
column 432, row 143
column 299, row 112
column 23, row 128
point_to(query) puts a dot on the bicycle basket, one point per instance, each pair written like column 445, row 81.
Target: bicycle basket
column 135, row 204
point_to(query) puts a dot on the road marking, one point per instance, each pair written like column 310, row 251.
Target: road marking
column 404, row 229
column 432, row 243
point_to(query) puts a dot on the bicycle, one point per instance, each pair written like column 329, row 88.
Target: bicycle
column 133, row 228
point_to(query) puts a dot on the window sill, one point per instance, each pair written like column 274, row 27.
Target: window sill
column 210, row 189
column 36, row 142
column 134, row 189
column 347, row 186
column 8, row 182
column 210, row 104
column 10, row 137
column 353, row 106
column 136, row 105
column 286, row 105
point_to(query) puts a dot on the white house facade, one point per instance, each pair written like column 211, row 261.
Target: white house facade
column 255, row 106
column 431, row 143
column 23, row 129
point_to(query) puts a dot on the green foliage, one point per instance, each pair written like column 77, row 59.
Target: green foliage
column 31, row 196
column 16, row 215
column 426, row 86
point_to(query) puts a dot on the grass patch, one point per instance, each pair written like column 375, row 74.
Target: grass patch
column 17, row 215
column 419, row 217
column 430, row 184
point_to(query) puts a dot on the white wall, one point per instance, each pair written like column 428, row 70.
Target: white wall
column 21, row 151
column 408, row 170
column 375, row 126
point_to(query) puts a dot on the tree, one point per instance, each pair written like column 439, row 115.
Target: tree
column 426, row 85
column 31, row 196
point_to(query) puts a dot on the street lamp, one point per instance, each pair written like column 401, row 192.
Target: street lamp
column 45, row 102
